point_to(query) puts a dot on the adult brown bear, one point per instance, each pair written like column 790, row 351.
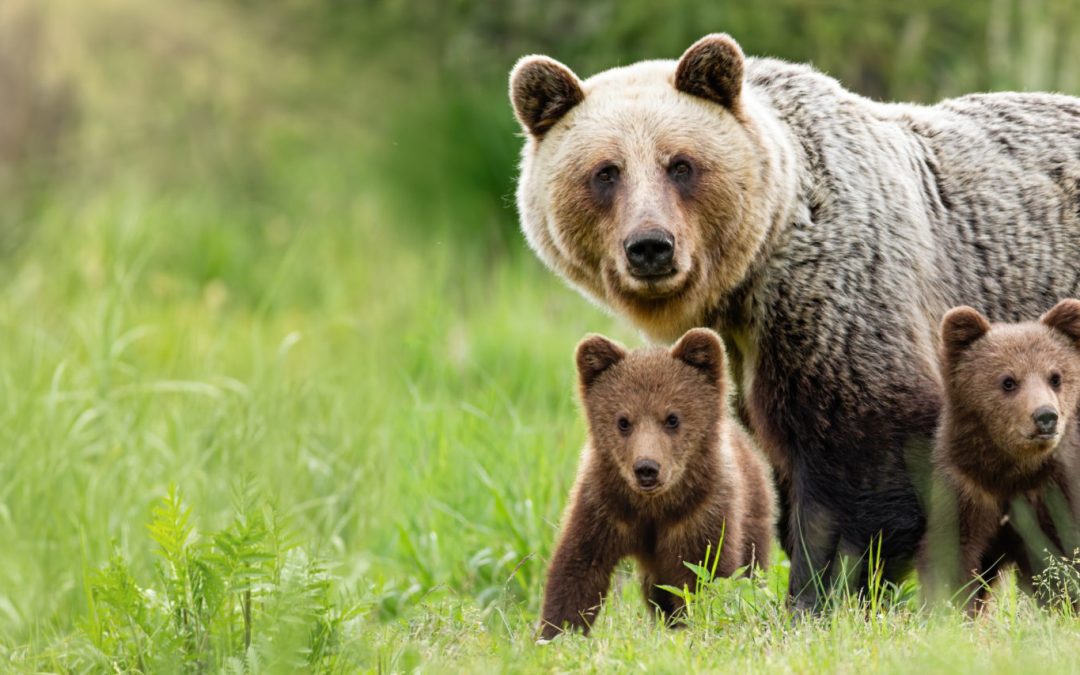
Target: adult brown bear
column 821, row 233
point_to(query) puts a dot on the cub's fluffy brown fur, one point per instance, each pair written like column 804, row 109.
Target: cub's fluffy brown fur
column 664, row 475
column 1008, row 438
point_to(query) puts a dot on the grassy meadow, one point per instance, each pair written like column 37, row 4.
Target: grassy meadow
column 282, row 388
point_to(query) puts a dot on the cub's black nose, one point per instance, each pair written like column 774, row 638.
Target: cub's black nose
column 647, row 472
column 1045, row 419
column 650, row 252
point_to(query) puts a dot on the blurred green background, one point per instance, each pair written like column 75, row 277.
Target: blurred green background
column 277, row 239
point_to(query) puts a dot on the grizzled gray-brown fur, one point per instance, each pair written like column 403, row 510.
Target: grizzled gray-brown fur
column 822, row 234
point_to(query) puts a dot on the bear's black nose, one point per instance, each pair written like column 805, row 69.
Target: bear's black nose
column 1045, row 419
column 650, row 252
column 647, row 473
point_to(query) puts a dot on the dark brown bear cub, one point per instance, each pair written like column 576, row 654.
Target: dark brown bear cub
column 1007, row 440
column 665, row 474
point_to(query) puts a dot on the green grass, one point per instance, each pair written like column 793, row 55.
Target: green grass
column 262, row 408
column 412, row 411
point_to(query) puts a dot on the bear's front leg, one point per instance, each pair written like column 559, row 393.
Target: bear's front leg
column 665, row 605
column 982, row 551
column 813, row 538
column 579, row 575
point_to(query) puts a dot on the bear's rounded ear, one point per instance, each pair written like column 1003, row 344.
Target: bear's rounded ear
column 595, row 354
column 960, row 327
column 542, row 90
column 1065, row 317
column 713, row 69
column 701, row 348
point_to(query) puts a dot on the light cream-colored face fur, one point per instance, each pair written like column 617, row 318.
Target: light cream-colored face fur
column 627, row 152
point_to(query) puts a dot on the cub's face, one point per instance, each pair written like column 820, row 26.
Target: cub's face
column 650, row 411
column 635, row 183
column 1021, row 380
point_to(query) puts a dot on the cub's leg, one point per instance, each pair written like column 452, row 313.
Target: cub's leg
column 665, row 605
column 984, row 549
column 580, row 573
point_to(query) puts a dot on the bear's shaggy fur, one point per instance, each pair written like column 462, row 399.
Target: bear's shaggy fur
column 664, row 476
column 822, row 234
column 1008, row 431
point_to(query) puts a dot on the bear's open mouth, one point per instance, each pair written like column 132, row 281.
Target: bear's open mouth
column 654, row 287
column 650, row 490
column 655, row 276
column 660, row 283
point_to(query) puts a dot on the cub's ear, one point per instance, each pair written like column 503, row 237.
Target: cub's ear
column 542, row 90
column 701, row 348
column 1065, row 317
column 713, row 69
column 960, row 327
column 595, row 354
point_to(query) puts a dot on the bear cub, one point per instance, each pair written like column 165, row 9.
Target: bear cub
column 664, row 475
column 1007, row 436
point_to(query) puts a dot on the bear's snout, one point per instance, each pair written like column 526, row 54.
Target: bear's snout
column 1046, row 419
column 647, row 473
column 649, row 253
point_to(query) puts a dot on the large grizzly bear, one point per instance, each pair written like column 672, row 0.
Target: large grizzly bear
column 1008, row 435
column 664, row 476
column 822, row 234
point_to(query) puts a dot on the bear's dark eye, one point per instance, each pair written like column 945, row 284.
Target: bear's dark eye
column 604, row 184
column 672, row 421
column 680, row 170
column 607, row 175
column 1055, row 380
column 1008, row 384
column 624, row 424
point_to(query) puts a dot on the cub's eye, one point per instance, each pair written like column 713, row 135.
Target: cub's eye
column 607, row 175
column 680, row 170
column 624, row 424
column 1008, row 384
column 1055, row 380
column 672, row 422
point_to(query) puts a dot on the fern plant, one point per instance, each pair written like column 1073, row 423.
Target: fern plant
column 244, row 598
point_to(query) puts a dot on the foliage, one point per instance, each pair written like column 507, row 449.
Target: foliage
column 1057, row 585
column 241, row 597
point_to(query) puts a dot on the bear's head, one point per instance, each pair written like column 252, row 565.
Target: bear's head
column 647, row 186
column 1020, row 382
column 652, row 412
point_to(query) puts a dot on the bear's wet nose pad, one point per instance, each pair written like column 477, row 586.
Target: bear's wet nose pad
column 650, row 252
column 1046, row 419
column 647, row 472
